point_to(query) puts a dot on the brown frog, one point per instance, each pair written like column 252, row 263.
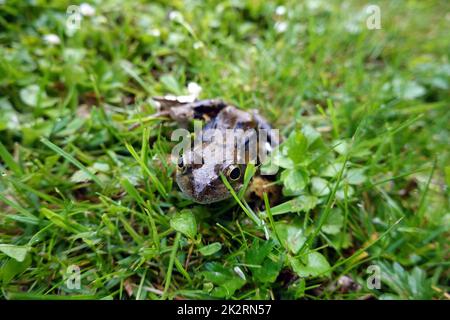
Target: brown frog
column 201, row 180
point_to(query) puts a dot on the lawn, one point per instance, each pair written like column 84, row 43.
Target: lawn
column 89, row 208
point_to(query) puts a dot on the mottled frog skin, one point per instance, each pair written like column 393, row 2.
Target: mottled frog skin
column 202, row 182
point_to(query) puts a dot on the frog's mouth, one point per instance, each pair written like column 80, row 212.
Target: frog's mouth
column 205, row 194
column 203, row 183
column 208, row 198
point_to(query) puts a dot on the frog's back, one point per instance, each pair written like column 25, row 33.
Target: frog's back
column 232, row 118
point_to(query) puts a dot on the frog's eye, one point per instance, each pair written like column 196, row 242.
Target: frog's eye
column 180, row 162
column 234, row 173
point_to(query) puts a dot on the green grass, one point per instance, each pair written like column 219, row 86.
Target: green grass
column 365, row 167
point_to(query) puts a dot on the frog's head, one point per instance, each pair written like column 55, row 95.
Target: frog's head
column 203, row 183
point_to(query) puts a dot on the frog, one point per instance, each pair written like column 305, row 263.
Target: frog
column 201, row 181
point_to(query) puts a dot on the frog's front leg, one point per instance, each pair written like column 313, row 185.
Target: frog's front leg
column 260, row 185
column 184, row 112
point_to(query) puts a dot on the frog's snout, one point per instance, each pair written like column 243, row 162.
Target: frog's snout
column 202, row 187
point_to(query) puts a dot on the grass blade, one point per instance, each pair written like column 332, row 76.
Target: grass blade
column 9, row 160
column 72, row 160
